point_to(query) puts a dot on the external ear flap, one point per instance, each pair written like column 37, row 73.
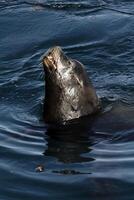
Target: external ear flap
column 69, row 62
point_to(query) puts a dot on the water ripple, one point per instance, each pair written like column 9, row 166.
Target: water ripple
column 82, row 158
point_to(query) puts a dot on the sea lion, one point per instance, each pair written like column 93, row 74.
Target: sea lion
column 69, row 93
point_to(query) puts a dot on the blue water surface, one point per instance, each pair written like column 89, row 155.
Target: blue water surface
column 91, row 158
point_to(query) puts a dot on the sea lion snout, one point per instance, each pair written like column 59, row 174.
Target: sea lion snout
column 51, row 58
column 55, row 59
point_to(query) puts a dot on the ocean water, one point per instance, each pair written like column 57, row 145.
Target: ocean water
column 90, row 158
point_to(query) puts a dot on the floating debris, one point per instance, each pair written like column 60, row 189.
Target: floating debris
column 39, row 168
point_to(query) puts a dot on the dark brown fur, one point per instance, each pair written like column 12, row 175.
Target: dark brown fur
column 69, row 93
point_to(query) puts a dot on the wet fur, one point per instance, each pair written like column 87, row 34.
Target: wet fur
column 69, row 93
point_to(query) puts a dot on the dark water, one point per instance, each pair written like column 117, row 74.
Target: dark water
column 91, row 158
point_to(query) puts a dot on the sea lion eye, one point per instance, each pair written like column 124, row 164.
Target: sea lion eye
column 69, row 62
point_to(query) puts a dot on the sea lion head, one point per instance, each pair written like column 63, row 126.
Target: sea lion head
column 56, row 61
column 69, row 93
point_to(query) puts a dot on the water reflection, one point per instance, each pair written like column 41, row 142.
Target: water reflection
column 69, row 142
column 73, row 142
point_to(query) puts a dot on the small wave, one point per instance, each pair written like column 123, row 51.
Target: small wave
column 81, row 9
column 52, row 5
column 69, row 5
column 123, row 137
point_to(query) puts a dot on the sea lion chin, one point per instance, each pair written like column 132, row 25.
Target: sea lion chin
column 69, row 93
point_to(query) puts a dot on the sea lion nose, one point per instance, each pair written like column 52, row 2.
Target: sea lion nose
column 56, row 50
column 53, row 52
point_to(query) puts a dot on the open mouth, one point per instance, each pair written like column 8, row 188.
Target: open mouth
column 51, row 58
column 49, row 62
